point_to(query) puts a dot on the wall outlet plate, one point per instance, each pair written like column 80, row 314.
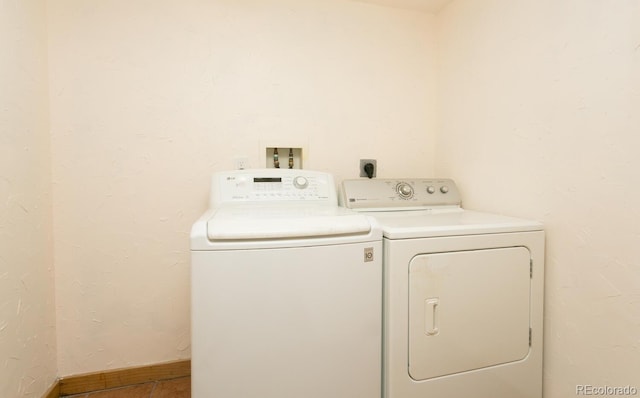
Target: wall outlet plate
column 364, row 162
column 241, row 162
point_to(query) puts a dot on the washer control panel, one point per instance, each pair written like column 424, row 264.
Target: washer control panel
column 272, row 185
column 394, row 193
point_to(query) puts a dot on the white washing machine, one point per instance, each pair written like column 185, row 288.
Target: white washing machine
column 286, row 291
column 463, row 293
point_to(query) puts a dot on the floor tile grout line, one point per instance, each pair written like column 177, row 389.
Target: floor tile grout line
column 155, row 385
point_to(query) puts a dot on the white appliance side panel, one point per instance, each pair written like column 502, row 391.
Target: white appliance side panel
column 468, row 310
column 297, row 322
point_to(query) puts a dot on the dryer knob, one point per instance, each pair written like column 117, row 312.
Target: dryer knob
column 444, row 189
column 404, row 190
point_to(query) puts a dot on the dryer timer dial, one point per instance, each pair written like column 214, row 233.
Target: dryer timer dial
column 404, row 190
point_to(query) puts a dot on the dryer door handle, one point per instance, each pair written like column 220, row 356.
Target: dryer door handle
column 431, row 316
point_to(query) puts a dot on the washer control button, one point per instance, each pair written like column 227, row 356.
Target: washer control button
column 431, row 189
column 300, row 182
column 444, row 189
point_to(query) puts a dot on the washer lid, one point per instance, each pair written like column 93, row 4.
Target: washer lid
column 448, row 222
column 250, row 222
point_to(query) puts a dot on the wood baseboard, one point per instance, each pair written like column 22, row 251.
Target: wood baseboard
column 53, row 391
column 85, row 383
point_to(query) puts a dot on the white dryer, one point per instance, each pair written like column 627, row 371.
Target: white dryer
column 286, row 291
column 463, row 293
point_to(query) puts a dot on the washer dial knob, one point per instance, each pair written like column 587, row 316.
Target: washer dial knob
column 444, row 189
column 300, row 182
column 431, row 189
column 404, row 190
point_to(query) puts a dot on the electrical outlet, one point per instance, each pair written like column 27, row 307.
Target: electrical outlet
column 241, row 162
column 363, row 163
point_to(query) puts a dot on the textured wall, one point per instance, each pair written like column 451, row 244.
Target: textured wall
column 538, row 117
column 149, row 97
column 27, row 312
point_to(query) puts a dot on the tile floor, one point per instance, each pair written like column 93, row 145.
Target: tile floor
column 175, row 388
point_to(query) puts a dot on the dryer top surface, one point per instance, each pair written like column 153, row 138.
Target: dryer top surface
column 448, row 222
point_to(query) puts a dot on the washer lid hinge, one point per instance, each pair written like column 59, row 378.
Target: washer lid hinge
column 530, row 331
column 531, row 268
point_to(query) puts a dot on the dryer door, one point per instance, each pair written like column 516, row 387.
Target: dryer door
column 468, row 310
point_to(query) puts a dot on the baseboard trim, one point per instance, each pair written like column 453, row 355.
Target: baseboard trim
column 53, row 391
column 85, row 383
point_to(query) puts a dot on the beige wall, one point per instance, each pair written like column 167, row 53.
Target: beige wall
column 149, row 98
column 538, row 117
column 27, row 312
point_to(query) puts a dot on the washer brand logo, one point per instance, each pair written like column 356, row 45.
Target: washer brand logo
column 368, row 254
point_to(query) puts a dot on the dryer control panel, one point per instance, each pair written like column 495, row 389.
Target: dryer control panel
column 385, row 194
column 272, row 185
